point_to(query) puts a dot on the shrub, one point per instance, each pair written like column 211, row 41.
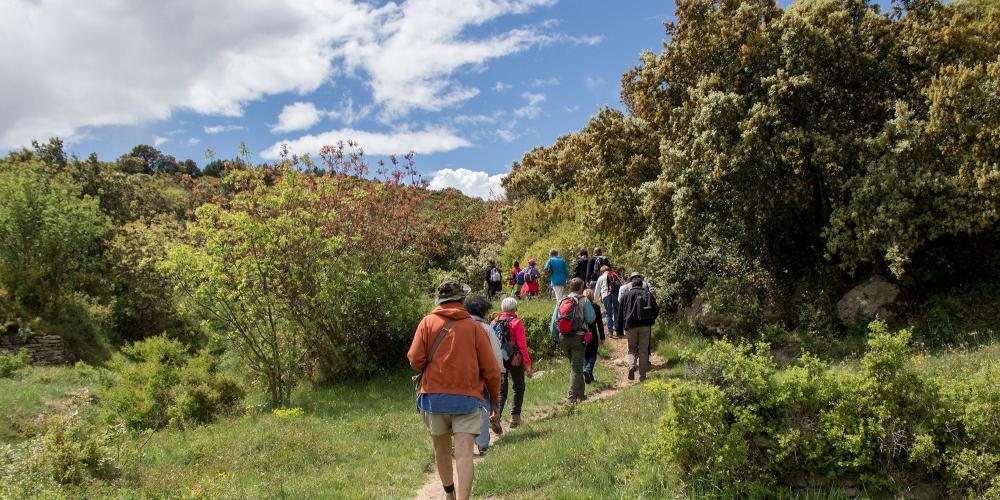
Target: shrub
column 9, row 363
column 163, row 385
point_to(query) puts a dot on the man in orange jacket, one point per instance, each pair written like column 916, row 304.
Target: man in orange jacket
column 456, row 359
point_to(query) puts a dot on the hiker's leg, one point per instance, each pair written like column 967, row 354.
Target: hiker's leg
column 442, row 458
column 504, row 383
column 633, row 347
column 609, row 315
column 483, row 439
column 558, row 291
column 567, row 342
column 590, row 355
column 517, row 374
column 577, row 383
column 643, row 334
column 463, row 464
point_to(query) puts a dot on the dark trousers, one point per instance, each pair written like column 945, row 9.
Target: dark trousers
column 590, row 354
column 517, row 374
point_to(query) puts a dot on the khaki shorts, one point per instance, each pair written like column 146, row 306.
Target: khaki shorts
column 441, row 423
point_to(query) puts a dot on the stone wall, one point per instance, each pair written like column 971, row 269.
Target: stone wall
column 43, row 349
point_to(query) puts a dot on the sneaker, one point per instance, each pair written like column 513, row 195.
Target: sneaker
column 495, row 425
column 515, row 420
column 482, row 451
column 631, row 373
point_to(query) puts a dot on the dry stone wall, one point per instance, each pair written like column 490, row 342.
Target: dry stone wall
column 43, row 349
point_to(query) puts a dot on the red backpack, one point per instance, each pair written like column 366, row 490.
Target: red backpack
column 568, row 319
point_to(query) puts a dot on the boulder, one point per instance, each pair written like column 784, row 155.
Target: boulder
column 864, row 302
column 702, row 313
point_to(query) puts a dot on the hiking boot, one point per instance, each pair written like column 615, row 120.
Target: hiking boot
column 495, row 425
column 631, row 373
column 642, row 378
column 515, row 420
column 588, row 377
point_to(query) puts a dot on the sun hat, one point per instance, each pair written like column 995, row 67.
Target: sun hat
column 451, row 290
column 635, row 275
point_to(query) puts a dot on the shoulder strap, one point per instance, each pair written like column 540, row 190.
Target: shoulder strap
column 437, row 341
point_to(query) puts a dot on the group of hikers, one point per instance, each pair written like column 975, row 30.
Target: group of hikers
column 467, row 364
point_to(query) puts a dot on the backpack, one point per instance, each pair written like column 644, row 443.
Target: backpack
column 645, row 308
column 614, row 283
column 519, row 278
column 531, row 274
column 568, row 317
column 495, row 276
column 501, row 328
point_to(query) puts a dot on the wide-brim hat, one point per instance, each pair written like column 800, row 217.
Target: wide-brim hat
column 452, row 290
column 635, row 275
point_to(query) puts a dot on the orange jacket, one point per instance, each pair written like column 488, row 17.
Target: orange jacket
column 463, row 362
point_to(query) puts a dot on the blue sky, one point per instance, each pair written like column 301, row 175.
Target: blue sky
column 469, row 85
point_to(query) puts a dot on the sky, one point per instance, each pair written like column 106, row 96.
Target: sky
column 468, row 85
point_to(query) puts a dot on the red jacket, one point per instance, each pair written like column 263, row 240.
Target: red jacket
column 462, row 363
column 518, row 336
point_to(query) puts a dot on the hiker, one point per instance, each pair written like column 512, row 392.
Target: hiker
column 455, row 359
column 607, row 288
column 639, row 309
column 479, row 307
column 509, row 328
column 493, row 284
column 596, row 329
column 516, row 278
column 559, row 272
column 594, row 267
column 582, row 267
column 621, row 295
column 531, row 274
column 569, row 327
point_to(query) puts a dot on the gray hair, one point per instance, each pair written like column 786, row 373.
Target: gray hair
column 508, row 305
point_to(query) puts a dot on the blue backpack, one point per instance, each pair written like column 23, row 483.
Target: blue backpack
column 519, row 279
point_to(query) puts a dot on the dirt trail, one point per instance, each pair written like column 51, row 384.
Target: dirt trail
column 617, row 351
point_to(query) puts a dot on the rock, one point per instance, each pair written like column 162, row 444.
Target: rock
column 867, row 300
column 702, row 313
column 43, row 349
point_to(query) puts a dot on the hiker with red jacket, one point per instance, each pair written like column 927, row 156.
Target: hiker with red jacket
column 509, row 328
column 512, row 281
column 569, row 328
column 454, row 356
column 531, row 275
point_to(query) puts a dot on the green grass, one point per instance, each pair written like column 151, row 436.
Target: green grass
column 32, row 390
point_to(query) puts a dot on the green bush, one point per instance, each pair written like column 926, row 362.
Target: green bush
column 9, row 363
column 162, row 385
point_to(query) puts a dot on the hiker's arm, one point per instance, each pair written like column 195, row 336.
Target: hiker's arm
column 600, row 326
column 489, row 370
column 553, row 328
column 417, row 355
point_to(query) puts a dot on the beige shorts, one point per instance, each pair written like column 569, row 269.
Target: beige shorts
column 439, row 423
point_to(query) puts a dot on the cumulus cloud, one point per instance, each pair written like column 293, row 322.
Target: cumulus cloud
column 473, row 183
column 426, row 141
column 218, row 129
column 531, row 109
column 122, row 62
column 297, row 116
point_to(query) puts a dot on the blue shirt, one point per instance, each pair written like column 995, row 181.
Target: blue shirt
column 557, row 266
column 449, row 404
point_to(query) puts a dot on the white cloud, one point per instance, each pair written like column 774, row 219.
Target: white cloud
column 472, row 183
column 501, row 86
column 159, row 141
column 507, row 135
column 532, row 108
column 346, row 113
column 193, row 141
column 572, row 109
column 297, row 116
column 545, row 82
column 218, row 129
column 426, row 141
column 122, row 62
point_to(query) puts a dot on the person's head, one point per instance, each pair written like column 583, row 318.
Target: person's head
column 517, row 264
column 576, row 285
column 605, row 268
column 508, row 305
column 493, row 263
column 451, row 291
column 553, row 253
column 597, row 251
column 589, row 294
column 635, row 279
column 532, row 262
column 583, row 253
column 478, row 306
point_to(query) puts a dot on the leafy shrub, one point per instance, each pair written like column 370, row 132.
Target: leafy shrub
column 163, row 385
column 9, row 363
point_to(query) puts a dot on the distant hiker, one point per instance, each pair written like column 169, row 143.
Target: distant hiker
column 639, row 309
column 516, row 278
column 607, row 288
column 594, row 267
column 493, row 284
column 621, row 295
column 569, row 327
column 596, row 329
column 531, row 274
column 509, row 328
column 556, row 266
column 581, row 269
column 479, row 307
column 455, row 359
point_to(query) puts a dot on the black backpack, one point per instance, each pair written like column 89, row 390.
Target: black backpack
column 645, row 307
column 501, row 328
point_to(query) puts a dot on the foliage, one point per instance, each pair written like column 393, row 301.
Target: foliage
column 162, row 385
column 10, row 363
column 743, row 425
